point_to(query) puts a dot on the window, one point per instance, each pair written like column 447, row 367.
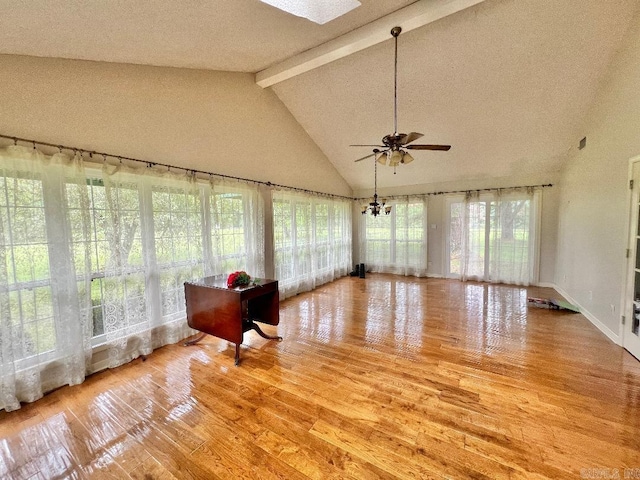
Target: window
column 115, row 249
column 322, row 247
column 228, row 231
column 44, row 316
column 379, row 241
column 410, row 234
column 99, row 258
column 283, row 239
column 25, row 275
column 237, row 229
column 397, row 243
column 178, row 234
column 312, row 240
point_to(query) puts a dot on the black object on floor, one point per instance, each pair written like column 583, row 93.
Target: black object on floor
column 356, row 271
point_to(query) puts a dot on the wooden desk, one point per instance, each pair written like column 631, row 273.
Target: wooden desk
column 227, row 313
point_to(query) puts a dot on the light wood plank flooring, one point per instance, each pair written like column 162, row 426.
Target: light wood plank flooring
column 386, row 377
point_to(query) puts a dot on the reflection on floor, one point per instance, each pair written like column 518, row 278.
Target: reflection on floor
column 383, row 377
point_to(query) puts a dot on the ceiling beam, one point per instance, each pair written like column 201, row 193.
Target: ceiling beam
column 413, row 16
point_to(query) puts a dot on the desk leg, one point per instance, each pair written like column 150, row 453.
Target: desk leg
column 193, row 341
column 237, row 359
column 254, row 326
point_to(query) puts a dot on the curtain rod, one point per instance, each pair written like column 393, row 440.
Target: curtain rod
column 478, row 190
column 247, row 180
column 157, row 164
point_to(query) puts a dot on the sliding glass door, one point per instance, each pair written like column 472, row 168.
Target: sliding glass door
column 493, row 237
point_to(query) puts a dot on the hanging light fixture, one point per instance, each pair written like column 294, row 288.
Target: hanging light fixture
column 374, row 207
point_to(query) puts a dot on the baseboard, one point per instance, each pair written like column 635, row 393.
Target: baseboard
column 614, row 337
column 546, row 285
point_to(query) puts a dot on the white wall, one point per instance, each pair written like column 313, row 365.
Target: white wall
column 592, row 227
column 213, row 121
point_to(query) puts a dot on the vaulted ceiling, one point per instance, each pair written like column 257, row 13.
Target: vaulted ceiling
column 507, row 83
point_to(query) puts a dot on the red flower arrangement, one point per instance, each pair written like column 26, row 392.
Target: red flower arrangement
column 238, row 279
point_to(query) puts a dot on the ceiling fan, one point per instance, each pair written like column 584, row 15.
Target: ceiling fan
column 395, row 144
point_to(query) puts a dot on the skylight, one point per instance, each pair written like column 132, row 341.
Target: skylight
column 318, row 11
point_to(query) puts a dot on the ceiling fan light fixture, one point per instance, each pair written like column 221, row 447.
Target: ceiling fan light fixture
column 382, row 159
column 406, row 158
column 395, row 159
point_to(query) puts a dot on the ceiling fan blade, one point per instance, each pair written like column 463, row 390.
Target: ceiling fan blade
column 364, row 158
column 382, row 146
column 410, row 137
column 443, row 148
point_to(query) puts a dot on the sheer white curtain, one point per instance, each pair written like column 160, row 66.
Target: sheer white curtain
column 149, row 240
column 474, row 237
column 396, row 243
column 514, row 237
column 312, row 240
column 93, row 262
column 499, row 236
column 45, row 314
column 152, row 231
column 237, row 227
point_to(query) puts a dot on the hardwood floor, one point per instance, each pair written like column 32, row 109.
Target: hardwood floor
column 386, row 377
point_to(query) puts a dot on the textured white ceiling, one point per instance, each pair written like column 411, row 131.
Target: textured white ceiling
column 228, row 35
column 507, row 83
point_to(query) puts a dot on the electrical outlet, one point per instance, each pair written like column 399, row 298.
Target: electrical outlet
column 613, row 309
column 590, row 295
